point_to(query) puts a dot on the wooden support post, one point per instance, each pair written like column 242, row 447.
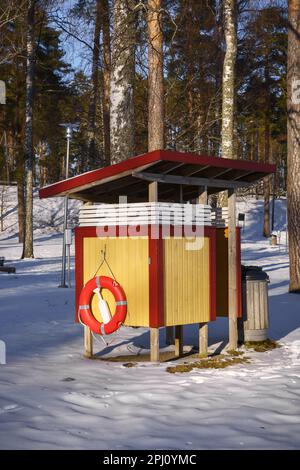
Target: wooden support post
column 170, row 335
column 154, row 344
column 203, row 339
column 88, row 342
column 203, row 327
column 178, row 340
column 232, row 271
column 202, row 199
column 153, row 192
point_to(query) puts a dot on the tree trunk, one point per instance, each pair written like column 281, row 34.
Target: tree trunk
column 18, row 152
column 155, row 77
column 106, row 80
column 266, row 227
column 41, row 153
column 190, row 76
column 93, row 150
column 218, row 38
column 229, row 78
column 20, row 197
column 28, row 143
column 293, row 108
column 122, row 82
column 267, row 137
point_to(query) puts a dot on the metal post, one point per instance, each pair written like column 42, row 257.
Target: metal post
column 69, row 265
column 65, row 226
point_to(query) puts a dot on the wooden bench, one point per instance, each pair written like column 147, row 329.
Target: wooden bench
column 6, row 269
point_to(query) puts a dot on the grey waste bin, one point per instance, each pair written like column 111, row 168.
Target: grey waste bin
column 255, row 303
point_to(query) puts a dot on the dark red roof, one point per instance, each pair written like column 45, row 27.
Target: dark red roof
column 131, row 177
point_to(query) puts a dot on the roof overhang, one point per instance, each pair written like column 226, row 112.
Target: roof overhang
column 170, row 169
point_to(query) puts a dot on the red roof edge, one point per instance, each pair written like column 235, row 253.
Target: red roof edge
column 148, row 158
column 99, row 174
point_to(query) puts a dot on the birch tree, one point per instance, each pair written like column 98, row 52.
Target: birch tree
column 28, row 130
column 155, row 77
column 122, row 81
column 229, row 78
column 228, row 81
column 93, row 149
column 106, row 79
column 293, row 109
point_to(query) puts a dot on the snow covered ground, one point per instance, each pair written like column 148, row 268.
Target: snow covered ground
column 53, row 398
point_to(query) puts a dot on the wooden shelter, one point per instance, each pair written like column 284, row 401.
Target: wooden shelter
column 174, row 270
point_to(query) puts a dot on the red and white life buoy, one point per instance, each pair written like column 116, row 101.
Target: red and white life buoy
column 85, row 313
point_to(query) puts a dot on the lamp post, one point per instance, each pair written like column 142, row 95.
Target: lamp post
column 69, row 132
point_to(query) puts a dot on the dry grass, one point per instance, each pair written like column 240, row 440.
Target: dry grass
column 262, row 346
column 234, row 352
column 214, row 362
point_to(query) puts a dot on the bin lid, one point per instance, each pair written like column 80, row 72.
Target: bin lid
column 254, row 273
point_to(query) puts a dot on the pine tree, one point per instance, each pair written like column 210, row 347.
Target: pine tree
column 155, row 77
column 28, row 133
column 293, row 108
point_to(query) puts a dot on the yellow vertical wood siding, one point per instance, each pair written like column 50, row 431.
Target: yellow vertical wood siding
column 129, row 260
column 186, row 283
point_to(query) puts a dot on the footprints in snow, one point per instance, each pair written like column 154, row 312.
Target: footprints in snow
column 10, row 408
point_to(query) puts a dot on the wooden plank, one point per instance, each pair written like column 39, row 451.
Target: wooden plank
column 186, row 287
column 153, row 192
column 133, row 207
column 88, row 342
column 154, row 344
column 232, row 271
column 178, row 340
column 189, row 181
column 202, row 199
column 203, row 339
column 7, row 269
column 203, row 327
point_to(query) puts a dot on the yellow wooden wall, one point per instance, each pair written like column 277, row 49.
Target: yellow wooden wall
column 128, row 259
column 186, row 283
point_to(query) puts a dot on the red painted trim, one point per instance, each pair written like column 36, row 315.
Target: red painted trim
column 239, row 273
column 152, row 157
column 78, row 267
column 97, row 175
column 156, row 283
column 213, row 274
